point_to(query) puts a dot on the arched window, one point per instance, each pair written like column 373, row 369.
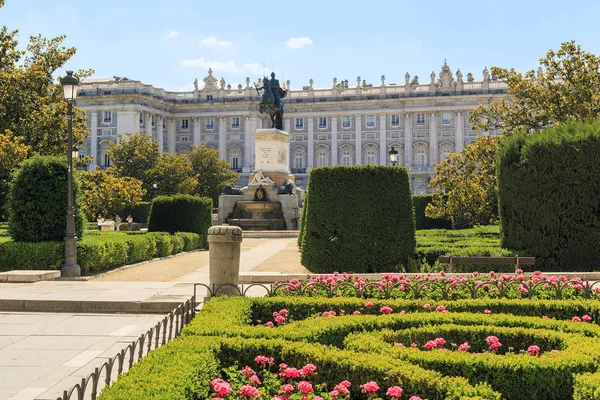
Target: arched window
column 235, row 157
column 370, row 155
column 445, row 149
column 421, row 155
column 299, row 157
column 104, row 157
column 322, row 156
column 346, row 156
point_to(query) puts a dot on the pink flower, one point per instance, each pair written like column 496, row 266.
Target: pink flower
column 519, row 271
column 553, row 351
column 440, row 308
column 287, row 389
column 394, row 392
column 586, row 318
column 254, row 380
column 356, row 312
column 369, row 304
column 414, row 345
column 430, row 345
column 533, row 350
column 369, row 387
column 426, row 306
column 279, row 319
column 440, row 341
column 415, row 398
column 400, row 344
column 305, row 387
column 317, row 398
column 385, row 310
column 308, row 369
column 283, row 312
column 221, row 387
column 575, row 319
column 262, row 360
column 275, row 314
column 269, row 323
column 247, row 372
column 334, row 394
column 494, row 342
column 291, row 373
column 249, row 391
column 464, row 347
column 487, row 311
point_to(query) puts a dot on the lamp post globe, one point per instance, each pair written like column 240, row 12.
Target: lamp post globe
column 393, row 155
column 70, row 268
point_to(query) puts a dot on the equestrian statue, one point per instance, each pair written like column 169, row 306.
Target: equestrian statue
column 272, row 100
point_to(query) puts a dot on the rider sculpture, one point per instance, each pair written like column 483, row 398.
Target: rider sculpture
column 272, row 101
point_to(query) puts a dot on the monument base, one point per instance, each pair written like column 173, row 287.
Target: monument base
column 278, row 178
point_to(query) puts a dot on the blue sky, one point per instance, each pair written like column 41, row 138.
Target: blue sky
column 168, row 44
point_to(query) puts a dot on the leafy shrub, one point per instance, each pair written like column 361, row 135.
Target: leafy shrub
column 181, row 213
column 587, row 386
column 139, row 212
column 191, row 241
column 420, row 201
column 31, row 255
column 38, row 201
column 358, row 219
column 548, row 190
column 164, row 244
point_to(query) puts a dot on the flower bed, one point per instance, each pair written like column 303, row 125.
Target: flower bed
column 434, row 286
column 465, row 349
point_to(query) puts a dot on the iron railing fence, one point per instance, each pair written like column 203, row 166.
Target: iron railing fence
column 163, row 332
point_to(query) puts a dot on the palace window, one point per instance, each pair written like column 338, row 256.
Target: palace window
column 370, row 157
column 141, row 119
column 322, row 122
column 346, row 157
column 209, row 123
column 185, row 123
column 299, row 159
column 321, row 137
column 420, row 119
column 421, row 157
column 346, row 136
column 395, row 120
column 107, row 117
column 235, row 122
column 446, row 118
column 184, row 138
column 445, row 150
column 446, row 134
column 346, row 122
column 209, row 97
column 322, row 158
column 299, row 123
column 235, row 161
column 106, row 160
column 153, row 121
column 370, row 121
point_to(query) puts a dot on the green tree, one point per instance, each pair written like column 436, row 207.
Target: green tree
column 12, row 152
column 173, row 174
column 213, row 173
column 135, row 156
column 108, row 194
column 566, row 88
column 464, row 187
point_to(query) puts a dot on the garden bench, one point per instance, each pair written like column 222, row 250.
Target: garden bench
column 516, row 261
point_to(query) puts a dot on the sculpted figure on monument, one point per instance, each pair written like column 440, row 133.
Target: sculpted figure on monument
column 272, row 101
column 228, row 190
column 288, row 187
column 260, row 194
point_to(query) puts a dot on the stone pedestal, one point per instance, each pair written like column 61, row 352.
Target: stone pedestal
column 224, row 259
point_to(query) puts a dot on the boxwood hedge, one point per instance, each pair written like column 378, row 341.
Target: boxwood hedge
column 420, row 202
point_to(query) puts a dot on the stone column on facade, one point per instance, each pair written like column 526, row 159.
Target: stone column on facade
column 311, row 143
column 222, row 139
column 171, row 139
column 382, row 139
column 358, row 139
column 334, row 141
column 408, row 141
column 287, row 125
column 460, row 132
column 148, row 123
column 159, row 132
column 254, row 124
column 224, row 259
column 197, row 138
column 94, row 141
column 246, row 157
column 433, row 140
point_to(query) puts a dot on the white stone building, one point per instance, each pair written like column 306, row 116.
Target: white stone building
column 345, row 124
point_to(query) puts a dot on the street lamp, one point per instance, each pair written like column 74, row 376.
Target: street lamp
column 393, row 155
column 70, row 268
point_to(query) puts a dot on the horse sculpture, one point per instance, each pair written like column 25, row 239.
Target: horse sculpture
column 272, row 103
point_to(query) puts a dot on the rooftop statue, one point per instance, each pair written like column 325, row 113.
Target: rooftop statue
column 272, row 100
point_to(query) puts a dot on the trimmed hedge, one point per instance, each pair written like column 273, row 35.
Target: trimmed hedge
column 97, row 251
column 139, row 212
column 37, row 203
column 420, row 202
column 587, row 387
column 358, row 219
column 549, row 189
column 181, row 213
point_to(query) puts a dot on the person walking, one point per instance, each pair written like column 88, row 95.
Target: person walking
column 129, row 222
column 100, row 221
column 117, row 223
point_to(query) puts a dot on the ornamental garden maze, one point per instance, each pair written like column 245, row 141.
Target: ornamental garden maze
column 342, row 337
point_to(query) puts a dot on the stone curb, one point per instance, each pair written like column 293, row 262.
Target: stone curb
column 108, row 307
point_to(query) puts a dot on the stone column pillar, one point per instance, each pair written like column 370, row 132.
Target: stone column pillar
column 287, row 125
column 94, row 141
column 408, row 141
column 247, row 140
column 358, row 140
column 311, row 143
column 382, row 138
column 171, row 140
column 460, row 132
column 148, row 123
column 222, row 139
column 254, row 124
column 433, row 140
column 224, row 259
column 334, row 141
column 159, row 132
column 197, row 137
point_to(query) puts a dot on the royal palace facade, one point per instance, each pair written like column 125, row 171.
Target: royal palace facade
column 346, row 124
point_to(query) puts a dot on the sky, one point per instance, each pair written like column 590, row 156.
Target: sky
column 169, row 44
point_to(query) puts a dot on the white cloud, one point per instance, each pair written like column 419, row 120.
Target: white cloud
column 299, row 42
column 217, row 66
column 172, row 35
column 213, row 41
column 257, row 69
column 187, row 88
